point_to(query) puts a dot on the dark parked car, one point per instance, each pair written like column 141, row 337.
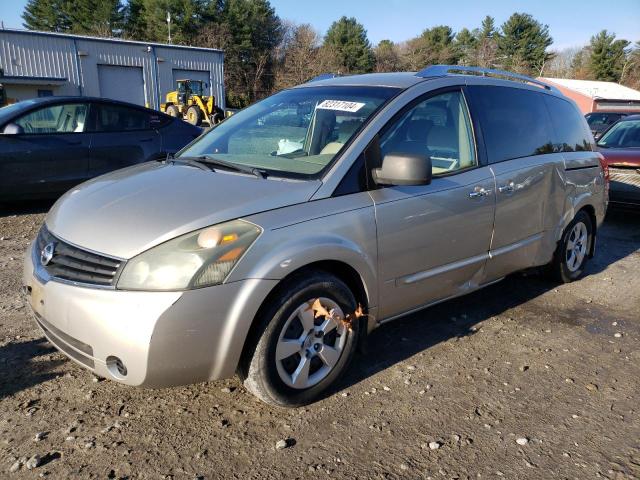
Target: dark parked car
column 600, row 121
column 48, row 145
column 620, row 146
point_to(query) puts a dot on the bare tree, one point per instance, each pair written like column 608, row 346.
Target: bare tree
column 301, row 57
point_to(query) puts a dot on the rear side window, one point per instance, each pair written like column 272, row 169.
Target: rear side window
column 116, row 118
column 515, row 122
column 568, row 127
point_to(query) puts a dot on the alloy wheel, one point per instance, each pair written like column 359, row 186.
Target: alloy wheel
column 309, row 347
column 576, row 246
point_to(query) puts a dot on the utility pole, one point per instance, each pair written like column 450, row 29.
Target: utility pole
column 169, row 24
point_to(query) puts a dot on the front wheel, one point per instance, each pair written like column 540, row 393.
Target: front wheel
column 299, row 351
column 573, row 249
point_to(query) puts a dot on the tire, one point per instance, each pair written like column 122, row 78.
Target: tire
column 217, row 116
column 573, row 249
column 172, row 111
column 283, row 347
column 194, row 116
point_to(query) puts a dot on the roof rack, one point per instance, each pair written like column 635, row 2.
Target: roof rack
column 444, row 70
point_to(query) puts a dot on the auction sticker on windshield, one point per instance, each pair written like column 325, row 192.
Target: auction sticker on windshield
column 342, row 105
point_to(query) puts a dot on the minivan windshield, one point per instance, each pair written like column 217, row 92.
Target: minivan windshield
column 624, row 134
column 293, row 133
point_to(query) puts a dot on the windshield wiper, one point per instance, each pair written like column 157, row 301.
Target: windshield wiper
column 194, row 162
column 204, row 162
column 232, row 166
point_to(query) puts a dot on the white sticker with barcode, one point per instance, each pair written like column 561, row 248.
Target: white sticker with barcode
column 341, row 105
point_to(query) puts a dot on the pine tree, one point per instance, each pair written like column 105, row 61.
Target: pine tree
column 134, row 22
column 254, row 32
column 46, row 15
column 487, row 43
column 523, row 44
column 187, row 18
column 349, row 40
column 466, row 44
column 434, row 46
column 102, row 18
column 607, row 56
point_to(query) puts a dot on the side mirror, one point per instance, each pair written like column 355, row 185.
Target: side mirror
column 403, row 169
column 13, row 129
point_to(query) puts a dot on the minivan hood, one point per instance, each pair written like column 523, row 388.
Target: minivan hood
column 129, row 211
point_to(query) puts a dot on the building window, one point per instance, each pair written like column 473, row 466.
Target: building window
column 45, row 93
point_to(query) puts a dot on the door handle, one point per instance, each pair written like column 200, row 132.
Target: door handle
column 480, row 192
column 508, row 188
column 146, row 140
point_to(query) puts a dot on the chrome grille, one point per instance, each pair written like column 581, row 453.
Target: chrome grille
column 629, row 176
column 74, row 264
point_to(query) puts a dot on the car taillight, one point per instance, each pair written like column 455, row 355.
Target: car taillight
column 605, row 169
column 605, row 172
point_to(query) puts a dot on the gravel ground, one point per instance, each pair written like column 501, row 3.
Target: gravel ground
column 524, row 379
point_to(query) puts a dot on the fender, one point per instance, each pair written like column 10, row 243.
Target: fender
column 285, row 257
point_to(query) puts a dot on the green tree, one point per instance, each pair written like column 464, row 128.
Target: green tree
column 486, row 43
column 607, row 56
column 348, row 39
column 387, row 57
column 186, row 20
column 434, row 46
column 46, row 15
column 134, row 24
column 102, row 18
column 466, row 44
column 254, row 32
column 522, row 47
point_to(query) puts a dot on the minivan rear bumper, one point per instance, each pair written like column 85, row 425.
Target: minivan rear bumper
column 161, row 338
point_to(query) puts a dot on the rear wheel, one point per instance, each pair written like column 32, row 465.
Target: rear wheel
column 173, row 111
column 194, row 116
column 573, row 249
column 299, row 353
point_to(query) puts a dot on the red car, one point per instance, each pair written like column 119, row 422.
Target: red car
column 620, row 146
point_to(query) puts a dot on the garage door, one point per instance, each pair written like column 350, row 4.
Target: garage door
column 179, row 74
column 121, row 83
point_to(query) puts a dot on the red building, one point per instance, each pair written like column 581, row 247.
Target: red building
column 592, row 96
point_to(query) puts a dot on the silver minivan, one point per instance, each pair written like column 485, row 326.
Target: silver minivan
column 270, row 246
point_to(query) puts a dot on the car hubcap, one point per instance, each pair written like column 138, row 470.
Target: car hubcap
column 308, row 347
column 576, row 246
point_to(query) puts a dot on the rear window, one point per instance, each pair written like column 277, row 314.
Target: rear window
column 570, row 134
column 515, row 122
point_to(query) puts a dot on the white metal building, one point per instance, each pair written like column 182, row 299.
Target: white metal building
column 44, row 63
column 593, row 96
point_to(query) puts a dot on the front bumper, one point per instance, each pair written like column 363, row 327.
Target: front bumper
column 162, row 338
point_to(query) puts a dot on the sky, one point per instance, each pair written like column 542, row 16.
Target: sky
column 571, row 22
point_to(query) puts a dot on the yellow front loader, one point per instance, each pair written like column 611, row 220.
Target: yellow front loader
column 189, row 103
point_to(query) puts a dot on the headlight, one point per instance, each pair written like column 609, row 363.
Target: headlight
column 198, row 259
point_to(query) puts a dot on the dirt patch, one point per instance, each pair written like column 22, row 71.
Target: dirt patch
column 525, row 379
